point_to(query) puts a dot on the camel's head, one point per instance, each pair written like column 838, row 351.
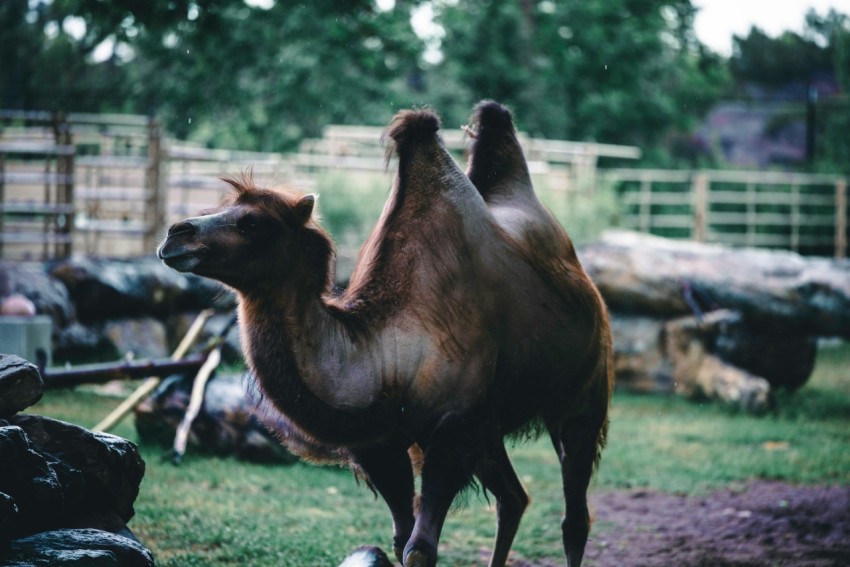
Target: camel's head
column 257, row 237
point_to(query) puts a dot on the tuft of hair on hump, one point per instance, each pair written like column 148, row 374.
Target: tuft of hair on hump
column 409, row 127
column 489, row 118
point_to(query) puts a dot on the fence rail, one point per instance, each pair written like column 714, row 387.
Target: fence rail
column 801, row 212
column 110, row 184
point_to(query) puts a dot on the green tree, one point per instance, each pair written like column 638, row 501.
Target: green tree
column 792, row 63
column 219, row 71
column 619, row 71
column 264, row 79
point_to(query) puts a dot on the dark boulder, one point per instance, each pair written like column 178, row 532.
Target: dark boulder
column 77, row 548
column 115, row 289
column 35, row 482
column 20, row 385
column 78, row 343
column 8, row 518
column 111, row 468
column 32, row 280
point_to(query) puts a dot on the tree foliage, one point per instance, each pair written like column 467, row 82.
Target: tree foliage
column 231, row 74
column 620, row 71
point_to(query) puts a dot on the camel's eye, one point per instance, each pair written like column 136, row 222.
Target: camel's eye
column 247, row 225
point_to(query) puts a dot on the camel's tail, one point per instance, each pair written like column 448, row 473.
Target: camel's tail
column 496, row 163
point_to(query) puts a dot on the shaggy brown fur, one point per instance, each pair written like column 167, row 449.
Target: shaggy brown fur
column 468, row 319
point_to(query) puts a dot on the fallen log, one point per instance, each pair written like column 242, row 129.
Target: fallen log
column 776, row 291
column 120, row 370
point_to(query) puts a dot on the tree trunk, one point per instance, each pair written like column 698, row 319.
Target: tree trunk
column 776, row 291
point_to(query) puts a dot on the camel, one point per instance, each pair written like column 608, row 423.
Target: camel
column 468, row 319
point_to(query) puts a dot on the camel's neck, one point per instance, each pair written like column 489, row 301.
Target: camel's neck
column 303, row 354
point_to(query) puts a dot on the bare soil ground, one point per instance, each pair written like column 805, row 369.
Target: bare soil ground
column 760, row 524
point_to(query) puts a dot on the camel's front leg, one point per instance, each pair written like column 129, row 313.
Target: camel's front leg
column 388, row 470
column 448, row 466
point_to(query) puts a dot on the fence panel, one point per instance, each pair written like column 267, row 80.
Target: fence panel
column 801, row 212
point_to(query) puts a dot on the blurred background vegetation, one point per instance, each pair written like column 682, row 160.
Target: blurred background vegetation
column 264, row 74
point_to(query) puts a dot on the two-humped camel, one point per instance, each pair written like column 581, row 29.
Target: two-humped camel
column 468, row 319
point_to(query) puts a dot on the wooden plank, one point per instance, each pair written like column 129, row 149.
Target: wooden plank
column 795, row 218
column 657, row 198
column 35, row 178
column 108, row 119
column 113, row 193
column 742, row 198
column 700, row 191
column 655, row 175
column 114, row 226
column 771, row 219
column 645, row 204
column 34, row 208
column 36, row 149
column 841, row 218
column 117, row 162
column 34, row 237
column 673, row 221
column 770, row 177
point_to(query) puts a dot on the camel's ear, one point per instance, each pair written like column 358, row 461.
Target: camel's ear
column 303, row 209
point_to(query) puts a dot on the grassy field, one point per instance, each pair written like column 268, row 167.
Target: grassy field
column 213, row 511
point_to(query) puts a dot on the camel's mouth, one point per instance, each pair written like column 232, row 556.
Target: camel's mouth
column 181, row 257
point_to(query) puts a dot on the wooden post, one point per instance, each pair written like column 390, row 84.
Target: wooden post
column 2, row 198
column 645, row 204
column 841, row 218
column 699, row 187
column 751, row 214
column 64, row 187
column 795, row 218
column 154, row 204
column 49, row 221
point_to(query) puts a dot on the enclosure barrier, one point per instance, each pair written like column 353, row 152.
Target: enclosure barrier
column 806, row 213
column 109, row 184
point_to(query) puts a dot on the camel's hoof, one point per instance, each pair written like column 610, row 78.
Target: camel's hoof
column 416, row 558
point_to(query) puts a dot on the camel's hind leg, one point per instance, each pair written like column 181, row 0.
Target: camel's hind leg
column 576, row 441
column 497, row 475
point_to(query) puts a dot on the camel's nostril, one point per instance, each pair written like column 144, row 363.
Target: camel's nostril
column 183, row 227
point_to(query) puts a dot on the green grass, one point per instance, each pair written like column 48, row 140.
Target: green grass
column 213, row 511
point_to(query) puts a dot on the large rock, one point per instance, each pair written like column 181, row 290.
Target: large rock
column 144, row 337
column 31, row 280
column 111, row 467
column 77, row 548
column 78, row 344
column 34, row 481
column 116, row 289
column 8, row 517
column 20, row 385
column 775, row 291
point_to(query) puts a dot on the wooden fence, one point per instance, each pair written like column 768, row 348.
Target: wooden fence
column 802, row 212
column 78, row 182
column 110, row 185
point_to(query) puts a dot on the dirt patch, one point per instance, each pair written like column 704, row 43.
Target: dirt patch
column 761, row 524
